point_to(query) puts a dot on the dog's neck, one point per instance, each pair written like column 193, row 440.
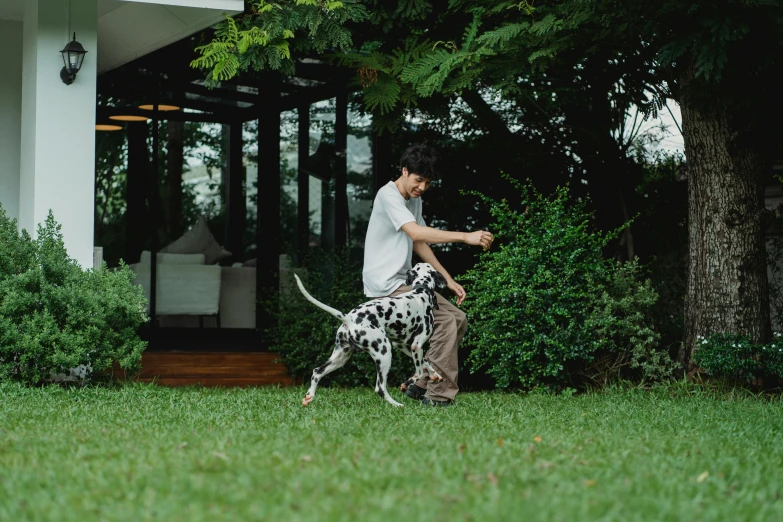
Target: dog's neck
column 430, row 291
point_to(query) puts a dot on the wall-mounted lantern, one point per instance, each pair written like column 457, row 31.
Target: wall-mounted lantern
column 73, row 56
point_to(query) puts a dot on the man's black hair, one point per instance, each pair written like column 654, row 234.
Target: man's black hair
column 422, row 160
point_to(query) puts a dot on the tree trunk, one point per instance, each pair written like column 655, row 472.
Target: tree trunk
column 727, row 288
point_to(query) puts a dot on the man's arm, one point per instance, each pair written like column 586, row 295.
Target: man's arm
column 426, row 254
column 419, row 233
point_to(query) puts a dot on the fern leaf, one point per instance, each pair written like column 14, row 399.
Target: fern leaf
column 283, row 50
column 231, row 29
column 546, row 52
column 225, row 69
column 472, row 30
column 424, row 67
column 502, row 35
column 383, row 94
column 549, row 24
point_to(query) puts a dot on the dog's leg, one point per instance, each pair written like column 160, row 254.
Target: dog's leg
column 342, row 352
column 418, row 358
column 382, row 355
column 404, row 349
column 421, row 363
column 434, row 376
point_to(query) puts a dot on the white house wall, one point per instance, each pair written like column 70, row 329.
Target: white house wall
column 10, row 115
column 58, row 124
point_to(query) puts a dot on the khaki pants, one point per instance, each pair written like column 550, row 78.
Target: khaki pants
column 450, row 327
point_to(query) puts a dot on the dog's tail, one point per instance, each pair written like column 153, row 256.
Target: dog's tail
column 338, row 314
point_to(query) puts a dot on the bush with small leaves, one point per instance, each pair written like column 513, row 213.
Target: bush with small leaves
column 546, row 308
column 54, row 316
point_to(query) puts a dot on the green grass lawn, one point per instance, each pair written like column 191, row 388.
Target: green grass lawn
column 141, row 452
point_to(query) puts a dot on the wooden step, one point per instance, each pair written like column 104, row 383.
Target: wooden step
column 228, row 369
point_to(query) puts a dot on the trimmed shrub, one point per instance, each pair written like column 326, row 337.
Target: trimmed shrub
column 304, row 335
column 547, row 309
column 54, row 316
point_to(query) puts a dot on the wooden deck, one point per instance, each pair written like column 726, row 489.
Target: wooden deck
column 229, row 369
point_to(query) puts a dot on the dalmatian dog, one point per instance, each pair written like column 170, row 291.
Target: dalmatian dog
column 404, row 321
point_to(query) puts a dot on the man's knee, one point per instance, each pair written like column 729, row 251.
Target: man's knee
column 455, row 322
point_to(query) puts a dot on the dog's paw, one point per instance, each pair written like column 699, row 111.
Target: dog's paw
column 407, row 384
column 435, row 377
column 307, row 400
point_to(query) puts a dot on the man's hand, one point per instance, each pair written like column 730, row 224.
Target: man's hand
column 482, row 238
column 458, row 290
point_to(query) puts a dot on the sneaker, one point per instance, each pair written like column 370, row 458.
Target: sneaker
column 426, row 401
column 415, row 392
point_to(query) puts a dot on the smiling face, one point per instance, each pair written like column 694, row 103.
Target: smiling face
column 412, row 185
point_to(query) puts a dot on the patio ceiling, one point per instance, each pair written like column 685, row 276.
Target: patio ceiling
column 130, row 29
column 165, row 76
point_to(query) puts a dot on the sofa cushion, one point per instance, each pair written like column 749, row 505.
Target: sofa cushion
column 182, row 289
column 199, row 240
column 173, row 259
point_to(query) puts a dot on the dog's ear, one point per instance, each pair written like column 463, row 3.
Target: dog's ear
column 409, row 275
column 440, row 281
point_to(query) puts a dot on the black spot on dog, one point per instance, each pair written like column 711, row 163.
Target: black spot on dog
column 416, row 331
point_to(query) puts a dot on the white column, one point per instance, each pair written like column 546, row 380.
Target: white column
column 58, row 124
column 10, row 115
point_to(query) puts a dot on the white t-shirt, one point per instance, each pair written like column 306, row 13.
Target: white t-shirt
column 388, row 250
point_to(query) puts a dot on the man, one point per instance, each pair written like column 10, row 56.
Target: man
column 397, row 230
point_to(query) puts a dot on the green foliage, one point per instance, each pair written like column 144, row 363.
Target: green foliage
column 621, row 320
column 655, row 50
column 55, row 317
column 736, row 358
column 304, row 334
column 546, row 307
column 264, row 38
column 775, row 269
